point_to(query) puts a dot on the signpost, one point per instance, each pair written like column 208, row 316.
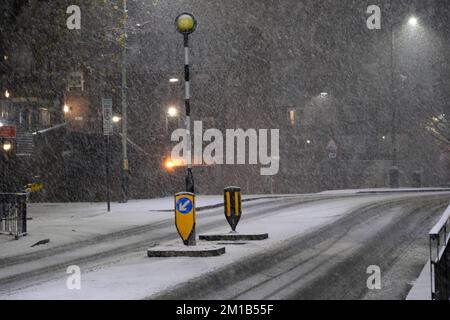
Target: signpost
column 332, row 149
column 233, row 206
column 185, row 217
column 24, row 143
column 107, row 132
column 107, row 117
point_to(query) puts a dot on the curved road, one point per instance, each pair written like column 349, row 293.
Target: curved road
column 332, row 262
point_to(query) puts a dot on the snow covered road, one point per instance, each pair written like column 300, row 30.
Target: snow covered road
column 319, row 247
column 331, row 262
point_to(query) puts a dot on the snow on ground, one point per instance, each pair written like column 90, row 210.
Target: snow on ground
column 384, row 190
column 64, row 223
column 136, row 276
column 421, row 289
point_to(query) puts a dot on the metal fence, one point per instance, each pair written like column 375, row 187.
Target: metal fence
column 13, row 214
column 440, row 258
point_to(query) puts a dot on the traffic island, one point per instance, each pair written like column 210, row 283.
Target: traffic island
column 185, row 251
column 234, row 236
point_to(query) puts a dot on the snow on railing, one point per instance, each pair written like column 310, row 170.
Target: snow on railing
column 439, row 250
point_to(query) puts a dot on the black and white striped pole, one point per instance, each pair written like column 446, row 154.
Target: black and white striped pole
column 186, row 24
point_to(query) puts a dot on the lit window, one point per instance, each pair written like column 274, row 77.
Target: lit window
column 292, row 117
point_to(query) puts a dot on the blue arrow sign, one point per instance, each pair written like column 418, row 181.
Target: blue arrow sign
column 184, row 205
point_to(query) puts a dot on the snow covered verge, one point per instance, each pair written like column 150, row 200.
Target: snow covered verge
column 64, row 223
column 385, row 190
column 135, row 276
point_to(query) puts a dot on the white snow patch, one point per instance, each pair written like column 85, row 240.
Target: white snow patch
column 421, row 289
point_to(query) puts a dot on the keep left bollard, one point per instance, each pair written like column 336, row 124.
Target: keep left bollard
column 233, row 206
column 185, row 217
column 185, row 224
column 233, row 212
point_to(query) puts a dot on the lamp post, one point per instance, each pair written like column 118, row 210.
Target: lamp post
column 394, row 173
column 186, row 24
column 6, row 149
column 172, row 112
column 125, row 166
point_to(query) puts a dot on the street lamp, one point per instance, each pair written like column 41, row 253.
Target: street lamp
column 186, row 24
column 413, row 21
column 66, row 108
column 123, row 90
column 173, row 80
column 169, row 165
column 116, row 119
column 172, row 112
column 7, row 94
column 394, row 175
column 7, row 146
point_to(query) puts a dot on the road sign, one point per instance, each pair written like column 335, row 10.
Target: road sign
column 34, row 187
column 107, row 117
column 233, row 206
column 8, row 132
column 332, row 146
column 185, row 217
column 332, row 149
column 25, row 143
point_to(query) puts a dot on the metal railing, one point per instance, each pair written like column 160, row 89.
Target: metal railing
column 13, row 214
column 440, row 258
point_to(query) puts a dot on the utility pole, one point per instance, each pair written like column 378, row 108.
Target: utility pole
column 394, row 170
column 125, row 166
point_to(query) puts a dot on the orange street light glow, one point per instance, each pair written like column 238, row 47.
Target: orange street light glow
column 169, row 165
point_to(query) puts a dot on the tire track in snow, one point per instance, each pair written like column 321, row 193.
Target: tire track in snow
column 238, row 280
column 47, row 263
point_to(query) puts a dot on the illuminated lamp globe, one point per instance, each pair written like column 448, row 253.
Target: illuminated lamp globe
column 185, row 23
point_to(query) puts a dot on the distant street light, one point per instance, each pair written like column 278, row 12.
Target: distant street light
column 66, row 108
column 7, row 146
column 7, row 94
column 172, row 112
column 186, row 24
column 173, row 80
column 116, row 119
column 169, row 165
column 413, row 21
